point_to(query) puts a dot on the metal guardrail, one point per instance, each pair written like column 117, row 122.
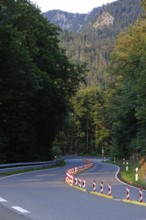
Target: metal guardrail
column 27, row 165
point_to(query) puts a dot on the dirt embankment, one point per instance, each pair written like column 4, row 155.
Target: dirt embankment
column 142, row 168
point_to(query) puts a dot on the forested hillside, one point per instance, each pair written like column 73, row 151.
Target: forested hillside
column 48, row 106
column 90, row 37
column 36, row 81
column 109, row 113
column 124, row 12
column 127, row 101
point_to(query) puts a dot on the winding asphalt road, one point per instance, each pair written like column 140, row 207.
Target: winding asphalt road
column 43, row 195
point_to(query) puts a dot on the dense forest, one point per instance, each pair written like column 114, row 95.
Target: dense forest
column 94, row 43
column 57, row 99
column 36, row 82
column 109, row 112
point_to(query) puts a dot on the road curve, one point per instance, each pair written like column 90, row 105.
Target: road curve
column 43, row 195
column 107, row 173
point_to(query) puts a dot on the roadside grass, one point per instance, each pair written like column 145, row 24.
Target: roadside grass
column 8, row 173
column 129, row 176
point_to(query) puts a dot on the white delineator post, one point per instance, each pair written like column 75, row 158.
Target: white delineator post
column 128, row 193
column 140, row 195
column 101, row 187
column 136, row 175
column 94, row 186
column 127, row 166
column 123, row 161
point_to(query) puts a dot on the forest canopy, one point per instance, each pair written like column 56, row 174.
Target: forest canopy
column 111, row 114
column 128, row 102
column 36, row 81
column 46, row 109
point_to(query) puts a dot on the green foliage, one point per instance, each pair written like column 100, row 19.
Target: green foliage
column 43, row 101
column 36, row 81
column 85, row 43
column 87, row 131
column 128, row 99
column 111, row 111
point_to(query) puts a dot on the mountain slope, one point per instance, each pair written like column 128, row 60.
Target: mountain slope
column 90, row 37
column 124, row 12
column 65, row 20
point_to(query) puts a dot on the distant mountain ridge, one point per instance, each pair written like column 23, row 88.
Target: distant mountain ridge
column 90, row 37
column 121, row 12
column 66, row 20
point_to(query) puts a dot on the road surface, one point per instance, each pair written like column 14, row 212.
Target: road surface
column 43, row 195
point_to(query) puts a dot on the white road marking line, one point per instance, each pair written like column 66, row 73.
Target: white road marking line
column 116, row 176
column 2, row 200
column 19, row 209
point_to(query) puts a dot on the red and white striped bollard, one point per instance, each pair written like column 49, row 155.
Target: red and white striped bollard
column 128, row 193
column 109, row 190
column 84, row 183
column 80, row 185
column 140, row 195
column 76, row 181
column 94, row 186
column 71, row 180
column 101, row 187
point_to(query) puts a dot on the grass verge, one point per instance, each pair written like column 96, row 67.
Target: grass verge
column 129, row 176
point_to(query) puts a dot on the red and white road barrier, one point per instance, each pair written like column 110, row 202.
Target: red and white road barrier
column 101, row 187
column 75, row 170
column 94, row 186
column 79, row 183
column 84, row 184
column 109, row 190
column 69, row 178
column 86, row 161
column 71, row 172
column 140, row 195
column 128, row 193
